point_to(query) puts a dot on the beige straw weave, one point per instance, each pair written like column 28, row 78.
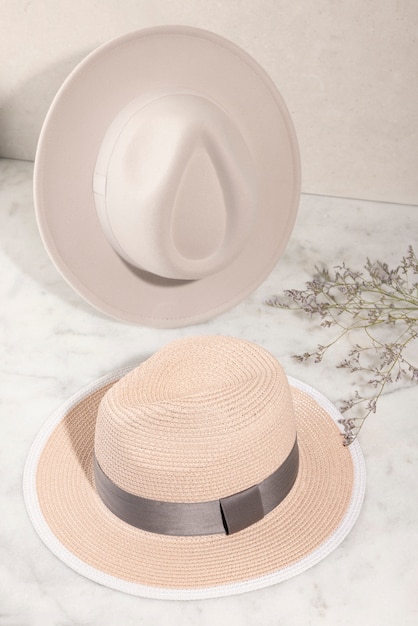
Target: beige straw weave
column 201, row 419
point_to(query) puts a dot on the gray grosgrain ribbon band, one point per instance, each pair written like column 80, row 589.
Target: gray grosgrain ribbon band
column 226, row 515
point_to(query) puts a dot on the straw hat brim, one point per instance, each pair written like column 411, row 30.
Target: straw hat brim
column 73, row 522
column 173, row 59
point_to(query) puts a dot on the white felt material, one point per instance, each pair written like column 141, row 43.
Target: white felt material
column 175, row 186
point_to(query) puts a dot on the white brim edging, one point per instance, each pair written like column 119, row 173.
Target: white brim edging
column 57, row 548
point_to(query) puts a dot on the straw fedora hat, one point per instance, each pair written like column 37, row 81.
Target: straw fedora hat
column 167, row 177
column 202, row 472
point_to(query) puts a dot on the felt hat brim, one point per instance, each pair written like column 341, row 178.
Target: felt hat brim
column 173, row 58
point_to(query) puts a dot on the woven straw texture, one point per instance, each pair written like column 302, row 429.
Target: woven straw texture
column 201, row 419
column 311, row 515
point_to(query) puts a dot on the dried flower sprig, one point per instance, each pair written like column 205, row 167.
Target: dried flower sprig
column 382, row 306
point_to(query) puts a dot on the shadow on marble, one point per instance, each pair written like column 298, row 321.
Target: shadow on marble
column 38, row 92
column 20, row 239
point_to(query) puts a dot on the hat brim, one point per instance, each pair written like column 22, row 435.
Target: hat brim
column 73, row 522
column 171, row 58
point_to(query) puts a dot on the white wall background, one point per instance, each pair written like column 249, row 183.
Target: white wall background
column 348, row 70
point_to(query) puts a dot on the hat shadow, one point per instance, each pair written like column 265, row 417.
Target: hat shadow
column 20, row 239
column 154, row 279
column 24, row 108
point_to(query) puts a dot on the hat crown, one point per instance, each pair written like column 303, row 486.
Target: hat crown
column 175, row 186
column 203, row 418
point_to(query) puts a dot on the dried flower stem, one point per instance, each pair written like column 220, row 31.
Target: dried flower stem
column 382, row 302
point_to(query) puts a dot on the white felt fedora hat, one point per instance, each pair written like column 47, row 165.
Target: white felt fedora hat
column 202, row 472
column 167, row 176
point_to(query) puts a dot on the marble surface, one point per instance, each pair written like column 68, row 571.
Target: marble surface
column 53, row 343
